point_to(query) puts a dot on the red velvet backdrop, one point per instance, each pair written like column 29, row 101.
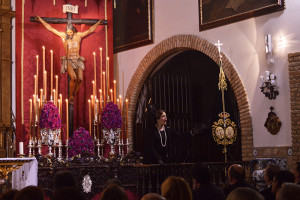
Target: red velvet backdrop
column 36, row 36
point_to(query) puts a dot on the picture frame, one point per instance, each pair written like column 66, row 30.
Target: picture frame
column 214, row 13
column 133, row 25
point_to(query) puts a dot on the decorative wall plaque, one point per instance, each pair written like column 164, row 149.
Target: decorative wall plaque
column 273, row 122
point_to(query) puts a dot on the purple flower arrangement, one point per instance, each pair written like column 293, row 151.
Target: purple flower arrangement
column 81, row 143
column 50, row 118
column 111, row 116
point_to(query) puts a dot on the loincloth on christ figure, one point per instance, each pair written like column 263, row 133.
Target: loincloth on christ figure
column 75, row 63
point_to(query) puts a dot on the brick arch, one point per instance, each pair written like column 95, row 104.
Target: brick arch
column 189, row 42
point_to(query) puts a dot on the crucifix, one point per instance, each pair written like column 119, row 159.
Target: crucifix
column 72, row 62
column 219, row 47
column 69, row 9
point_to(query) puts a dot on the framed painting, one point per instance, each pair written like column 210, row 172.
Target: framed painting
column 214, row 13
column 132, row 23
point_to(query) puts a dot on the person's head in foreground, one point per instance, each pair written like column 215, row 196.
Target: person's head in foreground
column 283, row 176
column 289, row 191
column 176, row 188
column 244, row 193
column 153, row 196
column 113, row 192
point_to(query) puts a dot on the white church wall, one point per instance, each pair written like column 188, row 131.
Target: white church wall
column 243, row 44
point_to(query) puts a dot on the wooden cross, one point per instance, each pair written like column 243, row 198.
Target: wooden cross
column 69, row 20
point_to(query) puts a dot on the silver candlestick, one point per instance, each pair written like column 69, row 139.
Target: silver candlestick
column 54, row 150
column 34, row 145
column 98, row 148
column 127, row 145
column 67, row 149
column 120, row 147
column 39, row 146
column 59, row 158
column 122, row 144
column 102, row 148
column 30, row 148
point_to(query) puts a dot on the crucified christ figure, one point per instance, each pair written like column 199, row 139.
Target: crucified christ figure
column 72, row 62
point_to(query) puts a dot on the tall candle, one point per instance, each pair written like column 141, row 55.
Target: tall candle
column 67, row 118
column 92, row 103
column 97, row 117
column 95, row 71
column 101, row 68
column 90, row 117
column 30, row 119
column 54, row 94
column 51, row 73
column 118, row 103
column 37, row 67
column 96, row 109
column 45, row 91
column 56, row 89
column 38, row 117
column 21, row 148
column 44, row 62
column 107, row 75
column 44, row 84
column 111, row 95
column 94, row 89
column 41, row 97
column 115, row 91
column 59, row 106
column 100, row 104
column 126, row 118
column 38, row 109
column 35, row 85
column 104, row 94
column 34, row 108
column 120, row 97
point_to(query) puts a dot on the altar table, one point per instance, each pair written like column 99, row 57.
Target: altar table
column 24, row 171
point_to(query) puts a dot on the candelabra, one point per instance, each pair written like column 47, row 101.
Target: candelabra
column 268, row 87
column 111, row 137
column 50, row 137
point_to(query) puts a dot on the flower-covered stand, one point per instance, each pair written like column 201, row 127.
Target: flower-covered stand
column 81, row 144
column 50, row 124
column 111, row 121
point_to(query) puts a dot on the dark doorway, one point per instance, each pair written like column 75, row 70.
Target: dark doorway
column 186, row 86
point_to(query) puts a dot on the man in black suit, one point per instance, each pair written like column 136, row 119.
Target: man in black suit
column 283, row 176
column 270, row 171
column 202, row 188
column 236, row 179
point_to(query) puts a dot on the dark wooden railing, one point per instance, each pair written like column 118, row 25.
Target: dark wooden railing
column 139, row 179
